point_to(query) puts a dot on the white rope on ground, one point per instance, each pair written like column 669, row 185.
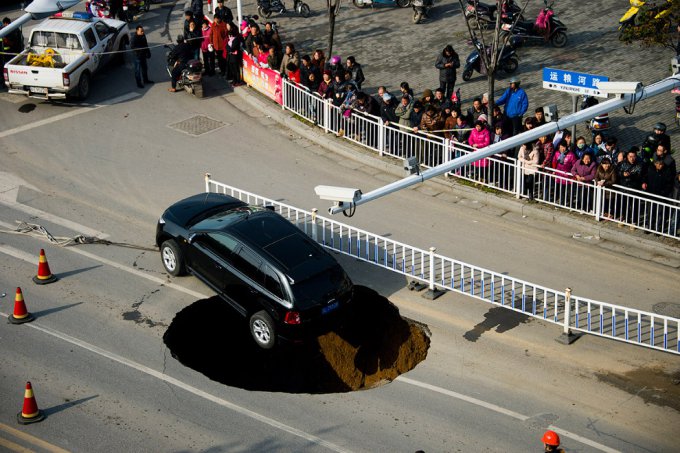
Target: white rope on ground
column 39, row 231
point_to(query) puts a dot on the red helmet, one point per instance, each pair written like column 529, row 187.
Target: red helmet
column 551, row 438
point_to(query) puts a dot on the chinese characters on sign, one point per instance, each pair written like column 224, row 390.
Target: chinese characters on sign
column 264, row 80
column 573, row 82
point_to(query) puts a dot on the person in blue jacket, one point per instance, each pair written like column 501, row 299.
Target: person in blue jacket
column 516, row 104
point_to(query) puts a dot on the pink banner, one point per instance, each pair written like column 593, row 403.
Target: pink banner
column 265, row 80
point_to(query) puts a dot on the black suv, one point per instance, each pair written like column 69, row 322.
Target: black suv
column 283, row 282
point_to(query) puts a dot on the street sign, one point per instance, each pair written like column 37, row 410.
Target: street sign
column 573, row 82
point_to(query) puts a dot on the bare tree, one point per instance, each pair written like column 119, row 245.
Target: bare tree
column 490, row 54
column 333, row 10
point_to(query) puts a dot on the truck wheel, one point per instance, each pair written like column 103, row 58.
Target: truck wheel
column 83, row 90
column 262, row 329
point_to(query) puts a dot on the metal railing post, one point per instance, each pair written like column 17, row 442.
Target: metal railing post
column 567, row 336
column 314, row 234
column 284, row 97
column 382, row 132
column 326, row 115
column 207, row 182
column 598, row 202
column 432, row 250
column 432, row 293
column 519, row 179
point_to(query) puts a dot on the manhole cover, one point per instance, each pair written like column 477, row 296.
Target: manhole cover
column 197, row 125
column 667, row 309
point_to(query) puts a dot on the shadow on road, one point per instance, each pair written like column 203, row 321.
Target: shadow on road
column 500, row 318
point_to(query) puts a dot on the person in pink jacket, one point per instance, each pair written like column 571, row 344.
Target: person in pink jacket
column 563, row 160
column 206, row 49
column 479, row 138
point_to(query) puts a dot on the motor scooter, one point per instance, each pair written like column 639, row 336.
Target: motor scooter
column 598, row 124
column 372, row 3
column 630, row 17
column 546, row 29
column 191, row 78
column 421, row 8
column 484, row 14
column 267, row 7
column 508, row 61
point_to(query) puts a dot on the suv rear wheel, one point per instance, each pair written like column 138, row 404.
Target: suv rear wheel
column 172, row 258
column 262, row 329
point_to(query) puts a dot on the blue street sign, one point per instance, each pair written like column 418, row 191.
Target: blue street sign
column 573, row 82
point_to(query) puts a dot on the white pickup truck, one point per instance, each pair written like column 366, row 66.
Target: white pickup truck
column 64, row 52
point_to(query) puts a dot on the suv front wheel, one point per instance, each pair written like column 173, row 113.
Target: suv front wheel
column 262, row 329
column 172, row 258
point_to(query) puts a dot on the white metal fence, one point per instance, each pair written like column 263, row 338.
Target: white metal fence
column 633, row 208
column 440, row 272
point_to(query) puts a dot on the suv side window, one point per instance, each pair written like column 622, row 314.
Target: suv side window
column 249, row 263
column 223, row 245
column 90, row 39
column 102, row 30
column 272, row 282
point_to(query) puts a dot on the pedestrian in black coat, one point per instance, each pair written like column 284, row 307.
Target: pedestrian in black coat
column 141, row 51
column 447, row 63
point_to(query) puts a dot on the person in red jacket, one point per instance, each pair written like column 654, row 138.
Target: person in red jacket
column 218, row 39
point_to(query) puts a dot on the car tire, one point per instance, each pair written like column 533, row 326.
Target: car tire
column 83, row 90
column 262, row 329
column 172, row 258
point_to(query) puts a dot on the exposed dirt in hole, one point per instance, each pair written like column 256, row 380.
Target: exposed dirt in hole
column 652, row 384
column 373, row 346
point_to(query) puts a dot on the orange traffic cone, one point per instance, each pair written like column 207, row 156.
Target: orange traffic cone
column 44, row 275
column 30, row 412
column 20, row 315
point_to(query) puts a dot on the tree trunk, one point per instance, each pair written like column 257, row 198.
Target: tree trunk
column 331, row 29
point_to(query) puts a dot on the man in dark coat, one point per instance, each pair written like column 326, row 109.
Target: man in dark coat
column 140, row 47
column 223, row 12
column 197, row 9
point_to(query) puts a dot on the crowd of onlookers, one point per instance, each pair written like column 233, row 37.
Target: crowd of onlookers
column 593, row 160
